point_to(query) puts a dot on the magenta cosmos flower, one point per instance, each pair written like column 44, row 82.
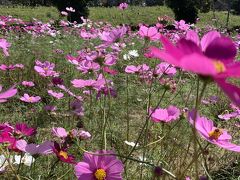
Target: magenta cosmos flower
column 150, row 33
column 169, row 114
column 22, row 129
column 99, row 167
column 7, row 94
column 213, row 57
column 214, row 135
column 30, row 99
column 62, row 154
column 4, row 45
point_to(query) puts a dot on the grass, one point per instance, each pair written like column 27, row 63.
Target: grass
column 133, row 15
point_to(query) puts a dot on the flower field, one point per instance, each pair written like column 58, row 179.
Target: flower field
column 101, row 100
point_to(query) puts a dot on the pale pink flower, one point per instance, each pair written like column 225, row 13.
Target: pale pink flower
column 4, row 45
column 59, row 132
column 28, row 83
column 55, row 94
column 30, row 99
column 150, row 33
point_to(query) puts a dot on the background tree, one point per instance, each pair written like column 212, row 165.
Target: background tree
column 236, row 6
column 80, row 7
column 184, row 9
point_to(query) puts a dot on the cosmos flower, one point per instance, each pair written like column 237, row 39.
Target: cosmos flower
column 23, row 129
column 59, row 132
column 35, row 149
column 30, row 99
column 4, row 96
column 55, row 94
column 169, row 114
column 212, row 134
column 214, row 52
column 123, row 6
column 94, row 167
column 113, row 35
column 62, row 154
column 28, row 83
column 4, row 45
column 150, row 33
column 45, row 69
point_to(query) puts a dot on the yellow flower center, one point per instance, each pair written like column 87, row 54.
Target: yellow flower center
column 100, row 174
column 45, row 69
column 63, row 154
column 219, row 66
column 215, row 134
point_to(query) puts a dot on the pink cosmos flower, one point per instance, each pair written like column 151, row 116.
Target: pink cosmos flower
column 214, row 52
column 7, row 94
column 35, row 149
column 113, row 35
column 214, row 135
column 101, row 167
column 28, row 83
column 84, row 135
column 150, row 33
column 45, row 69
column 55, row 94
column 30, row 99
column 181, row 25
column 228, row 116
column 4, row 45
column 23, row 129
column 169, row 114
column 165, row 68
column 123, row 6
column 80, row 83
column 59, row 132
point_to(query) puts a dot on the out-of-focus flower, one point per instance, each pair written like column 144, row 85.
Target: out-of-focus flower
column 4, row 96
column 28, row 83
column 123, row 6
column 4, row 45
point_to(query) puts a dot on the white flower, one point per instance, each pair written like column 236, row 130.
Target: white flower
column 3, row 163
column 27, row 159
column 133, row 53
column 131, row 143
column 126, row 57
